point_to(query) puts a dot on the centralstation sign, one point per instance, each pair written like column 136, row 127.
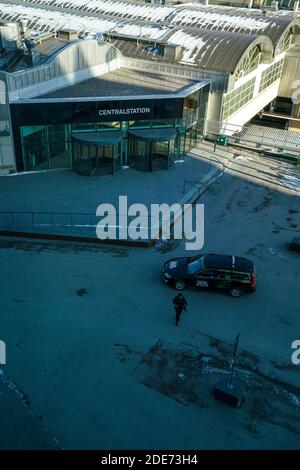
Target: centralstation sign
column 124, row 111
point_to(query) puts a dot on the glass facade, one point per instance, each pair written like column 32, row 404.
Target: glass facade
column 151, row 155
column 45, row 147
column 236, row 99
column 43, row 142
column 270, row 75
column 95, row 159
column 193, row 120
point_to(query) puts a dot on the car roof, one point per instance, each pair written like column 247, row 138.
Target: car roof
column 237, row 263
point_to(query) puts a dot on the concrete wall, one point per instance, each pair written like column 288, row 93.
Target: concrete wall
column 214, row 112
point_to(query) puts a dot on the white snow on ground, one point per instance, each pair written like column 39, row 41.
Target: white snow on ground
column 192, row 45
column 292, row 181
column 243, row 159
column 294, row 399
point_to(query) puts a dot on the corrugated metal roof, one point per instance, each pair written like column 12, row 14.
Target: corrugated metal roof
column 211, row 37
column 214, row 50
column 52, row 20
column 235, row 20
column 215, row 17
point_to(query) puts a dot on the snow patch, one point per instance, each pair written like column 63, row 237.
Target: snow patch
column 191, row 44
column 243, row 158
column 292, row 181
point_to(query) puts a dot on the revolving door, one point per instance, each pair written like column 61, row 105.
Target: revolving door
column 96, row 153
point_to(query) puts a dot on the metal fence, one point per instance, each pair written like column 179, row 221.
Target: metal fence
column 70, row 223
column 257, row 136
column 47, row 219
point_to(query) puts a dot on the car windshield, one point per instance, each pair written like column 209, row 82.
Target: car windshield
column 195, row 265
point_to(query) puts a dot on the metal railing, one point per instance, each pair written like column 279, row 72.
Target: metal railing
column 46, row 218
column 256, row 136
column 71, row 221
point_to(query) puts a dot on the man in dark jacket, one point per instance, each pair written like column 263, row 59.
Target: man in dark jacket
column 180, row 304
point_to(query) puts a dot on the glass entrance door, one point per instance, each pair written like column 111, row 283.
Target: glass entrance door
column 139, row 154
column 96, row 159
column 159, row 155
column 105, row 164
column 151, row 156
column 108, row 159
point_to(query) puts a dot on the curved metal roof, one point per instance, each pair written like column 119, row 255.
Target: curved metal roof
column 211, row 37
column 215, row 17
column 216, row 50
column 234, row 20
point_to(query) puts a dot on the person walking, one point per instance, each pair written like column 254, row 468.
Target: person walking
column 180, row 304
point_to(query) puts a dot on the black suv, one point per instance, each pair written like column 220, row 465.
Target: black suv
column 233, row 273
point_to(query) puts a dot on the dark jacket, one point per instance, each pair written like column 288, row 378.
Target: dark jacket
column 180, row 302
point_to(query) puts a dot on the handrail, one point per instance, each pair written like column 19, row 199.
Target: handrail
column 53, row 219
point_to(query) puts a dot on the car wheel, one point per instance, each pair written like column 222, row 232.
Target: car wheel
column 180, row 285
column 235, row 292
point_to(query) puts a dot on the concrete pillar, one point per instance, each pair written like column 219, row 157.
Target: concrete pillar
column 296, row 5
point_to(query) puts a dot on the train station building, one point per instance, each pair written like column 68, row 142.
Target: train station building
column 95, row 86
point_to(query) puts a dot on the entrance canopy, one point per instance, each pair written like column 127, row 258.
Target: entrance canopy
column 154, row 135
column 97, row 138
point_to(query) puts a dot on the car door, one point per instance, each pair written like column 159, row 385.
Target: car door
column 205, row 278
column 223, row 279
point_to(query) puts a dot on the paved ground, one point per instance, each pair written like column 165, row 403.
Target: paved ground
column 109, row 369
column 64, row 192
column 67, row 191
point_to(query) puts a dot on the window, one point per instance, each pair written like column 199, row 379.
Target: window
column 250, row 62
column 46, row 147
column 190, row 109
column 223, row 275
column 207, row 273
column 236, row 99
column 270, row 75
column 285, row 42
column 240, row 276
column 195, row 266
column 108, row 125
